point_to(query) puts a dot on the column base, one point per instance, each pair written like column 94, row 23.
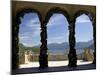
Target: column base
column 72, row 59
column 15, row 61
column 94, row 60
column 43, row 61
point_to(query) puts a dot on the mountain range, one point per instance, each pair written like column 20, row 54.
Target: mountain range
column 64, row 47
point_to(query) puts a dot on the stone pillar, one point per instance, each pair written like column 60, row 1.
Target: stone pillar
column 72, row 52
column 94, row 38
column 15, row 48
column 43, row 58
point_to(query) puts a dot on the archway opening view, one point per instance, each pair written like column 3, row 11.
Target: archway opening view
column 84, row 40
column 29, row 40
column 58, row 46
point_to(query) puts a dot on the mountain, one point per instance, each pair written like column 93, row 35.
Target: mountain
column 58, row 48
column 64, row 47
column 81, row 45
column 91, row 46
column 61, row 48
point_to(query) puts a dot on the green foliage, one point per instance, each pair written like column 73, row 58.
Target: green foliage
column 86, row 50
column 22, row 49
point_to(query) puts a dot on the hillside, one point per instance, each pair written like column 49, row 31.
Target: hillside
column 23, row 48
column 59, row 48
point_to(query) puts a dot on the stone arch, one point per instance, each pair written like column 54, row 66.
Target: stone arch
column 15, row 30
column 88, row 13
column 22, row 12
column 93, row 21
column 53, row 10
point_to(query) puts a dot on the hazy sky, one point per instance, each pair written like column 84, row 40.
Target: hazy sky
column 84, row 29
column 57, row 29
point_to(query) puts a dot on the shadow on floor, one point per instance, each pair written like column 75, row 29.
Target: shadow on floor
column 53, row 69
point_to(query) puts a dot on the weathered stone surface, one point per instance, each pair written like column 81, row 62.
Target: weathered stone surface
column 30, row 56
column 22, row 58
column 72, row 52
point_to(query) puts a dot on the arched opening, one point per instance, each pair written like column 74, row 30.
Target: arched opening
column 29, row 40
column 84, row 39
column 57, row 41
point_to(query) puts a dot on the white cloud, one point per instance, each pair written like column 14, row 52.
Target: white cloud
column 26, row 40
column 30, row 29
column 27, row 44
column 28, row 36
column 33, row 23
column 24, row 34
column 82, row 19
column 59, row 39
column 36, row 33
column 56, row 19
column 24, row 37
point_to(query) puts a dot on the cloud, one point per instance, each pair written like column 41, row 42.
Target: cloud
column 30, row 34
column 24, row 37
column 56, row 19
column 30, row 20
column 24, row 34
column 29, row 29
column 33, row 23
column 27, row 43
column 82, row 19
column 59, row 39
column 30, row 26
column 27, row 38
column 32, row 29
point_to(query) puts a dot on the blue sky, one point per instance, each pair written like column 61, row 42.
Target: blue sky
column 57, row 29
column 84, row 29
column 29, row 32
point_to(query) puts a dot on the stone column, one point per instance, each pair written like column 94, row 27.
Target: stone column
column 72, row 52
column 94, row 38
column 43, row 58
column 15, row 48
